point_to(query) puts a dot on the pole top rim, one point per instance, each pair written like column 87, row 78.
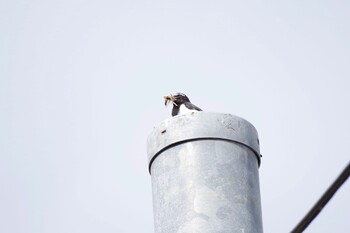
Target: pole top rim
column 202, row 126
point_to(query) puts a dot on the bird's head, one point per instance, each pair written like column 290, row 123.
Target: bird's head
column 177, row 99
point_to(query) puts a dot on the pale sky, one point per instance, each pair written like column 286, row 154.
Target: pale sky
column 82, row 86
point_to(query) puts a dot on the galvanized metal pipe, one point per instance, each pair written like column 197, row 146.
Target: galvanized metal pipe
column 204, row 170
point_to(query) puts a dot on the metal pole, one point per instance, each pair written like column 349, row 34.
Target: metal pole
column 204, row 170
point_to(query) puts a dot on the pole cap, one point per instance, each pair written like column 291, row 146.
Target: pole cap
column 201, row 126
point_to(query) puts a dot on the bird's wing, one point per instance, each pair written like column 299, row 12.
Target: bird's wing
column 191, row 106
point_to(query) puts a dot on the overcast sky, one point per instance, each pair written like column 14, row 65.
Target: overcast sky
column 82, row 86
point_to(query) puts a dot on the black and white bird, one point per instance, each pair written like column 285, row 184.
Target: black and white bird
column 181, row 104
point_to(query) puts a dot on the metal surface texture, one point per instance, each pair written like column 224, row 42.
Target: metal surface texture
column 204, row 171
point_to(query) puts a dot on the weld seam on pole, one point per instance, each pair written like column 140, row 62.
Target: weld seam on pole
column 200, row 139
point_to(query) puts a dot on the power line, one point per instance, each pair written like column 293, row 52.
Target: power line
column 316, row 209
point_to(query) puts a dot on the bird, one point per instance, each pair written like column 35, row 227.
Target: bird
column 181, row 104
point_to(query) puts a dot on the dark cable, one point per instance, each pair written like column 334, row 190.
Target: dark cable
column 316, row 209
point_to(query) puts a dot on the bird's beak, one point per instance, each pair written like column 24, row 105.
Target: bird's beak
column 166, row 100
column 169, row 98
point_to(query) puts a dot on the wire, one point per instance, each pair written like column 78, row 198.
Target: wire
column 316, row 209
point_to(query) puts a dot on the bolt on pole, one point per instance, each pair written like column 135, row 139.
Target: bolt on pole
column 204, row 171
